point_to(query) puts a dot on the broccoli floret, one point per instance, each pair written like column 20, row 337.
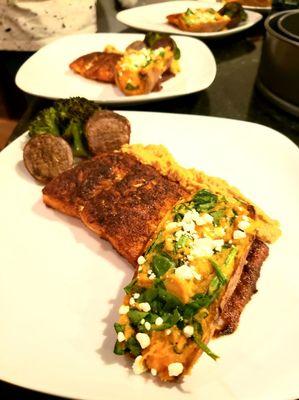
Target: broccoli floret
column 66, row 118
column 75, row 107
column 74, row 133
column 46, row 122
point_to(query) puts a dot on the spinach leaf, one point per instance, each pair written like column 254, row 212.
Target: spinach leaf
column 119, row 349
column 204, row 200
column 134, row 347
column 197, row 338
column 217, row 215
column 148, row 295
column 130, row 286
column 199, row 301
column 181, row 243
column 155, row 243
column 169, row 320
column 170, row 301
column 119, row 327
column 161, row 264
column 231, row 256
column 221, row 277
column 136, row 316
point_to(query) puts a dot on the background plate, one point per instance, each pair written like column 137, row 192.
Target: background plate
column 153, row 18
column 47, row 72
column 61, row 286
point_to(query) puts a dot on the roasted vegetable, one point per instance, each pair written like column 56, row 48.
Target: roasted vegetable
column 46, row 121
column 154, row 40
column 66, row 118
column 138, row 72
column 235, row 12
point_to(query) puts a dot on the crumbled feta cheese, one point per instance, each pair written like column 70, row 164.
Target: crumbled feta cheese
column 188, row 331
column 152, row 276
column 230, row 241
column 239, row 234
column 172, row 226
column 145, row 307
column 139, row 269
column 142, row 321
column 132, row 301
column 141, row 260
column 168, row 332
column 178, row 234
column 175, row 369
column 188, row 226
column 138, row 365
column 149, row 271
column 123, row 309
column 184, row 272
column 121, row 337
column 218, row 244
column 153, row 371
column 243, row 225
column 245, row 218
column 147, row 325
column 143, row 339
column 202, row 247
column 196, row 274
column 159, row 321
column 136, row 296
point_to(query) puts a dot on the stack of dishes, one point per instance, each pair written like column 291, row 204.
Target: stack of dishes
column 278, row 73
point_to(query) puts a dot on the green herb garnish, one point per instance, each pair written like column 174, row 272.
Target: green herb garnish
column 129, row 86
column 161, row 264
column 204, row 200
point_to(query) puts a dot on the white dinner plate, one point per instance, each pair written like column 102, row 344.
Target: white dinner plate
column 153, row 18
column 61, row 286
column 47, row 72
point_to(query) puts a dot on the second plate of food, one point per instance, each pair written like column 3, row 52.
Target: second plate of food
column 195, row 18
column 95, row 66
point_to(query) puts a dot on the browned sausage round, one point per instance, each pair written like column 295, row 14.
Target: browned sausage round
column 106, row 130
column 46, row 156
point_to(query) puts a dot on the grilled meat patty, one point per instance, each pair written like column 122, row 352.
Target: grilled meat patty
column 245, row 288
column 46, row 156
column 129, row 212
column 69, row 191
column 106, row 130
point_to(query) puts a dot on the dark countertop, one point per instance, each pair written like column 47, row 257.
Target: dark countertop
column 232, row 95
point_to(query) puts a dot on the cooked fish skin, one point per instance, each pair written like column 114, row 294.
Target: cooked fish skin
column 70, row 190
column 130, row 211
column 97, row 66
column 246, row 287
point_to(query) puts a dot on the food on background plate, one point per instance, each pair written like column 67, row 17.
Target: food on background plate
column 197, row 244
column 99, row 66
column 76, row 122
column 140, row 69
column 46, row 156
column 208, row 19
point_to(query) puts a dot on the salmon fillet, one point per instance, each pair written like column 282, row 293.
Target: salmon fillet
column 97, row 66
column 129, row 212
column 70, row 190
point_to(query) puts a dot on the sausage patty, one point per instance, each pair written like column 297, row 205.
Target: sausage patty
column 46, row 156
column 106, row 131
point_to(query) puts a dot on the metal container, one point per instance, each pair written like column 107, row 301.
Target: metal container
column 278, row 76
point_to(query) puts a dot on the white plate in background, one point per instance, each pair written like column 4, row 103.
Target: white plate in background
column 152, row 17
column 47, row 72
column 61, row 286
